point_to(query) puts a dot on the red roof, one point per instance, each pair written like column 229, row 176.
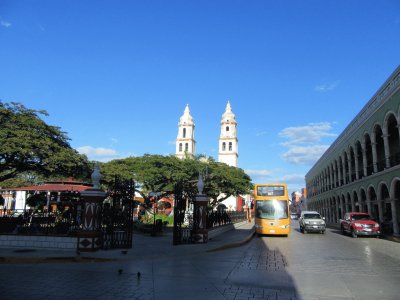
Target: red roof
column 56, row 186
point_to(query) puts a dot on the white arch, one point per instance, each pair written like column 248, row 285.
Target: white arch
column 371, row 186
column 379, row 194
column 392, row 187
column 374, row 127
column 388, row 115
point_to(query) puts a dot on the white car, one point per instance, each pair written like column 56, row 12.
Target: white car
column 311, row 221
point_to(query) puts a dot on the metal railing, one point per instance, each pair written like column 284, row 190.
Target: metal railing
column 29, row 222
column 221, row 218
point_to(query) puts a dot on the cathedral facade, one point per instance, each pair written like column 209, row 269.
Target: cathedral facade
column 227, row 145
column 228, row 141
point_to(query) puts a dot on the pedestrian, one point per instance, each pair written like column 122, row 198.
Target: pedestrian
column 248, row 209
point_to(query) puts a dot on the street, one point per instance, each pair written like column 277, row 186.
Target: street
column 327, row 265
column 302, row 266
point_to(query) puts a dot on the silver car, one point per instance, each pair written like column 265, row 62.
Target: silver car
column 311, row 221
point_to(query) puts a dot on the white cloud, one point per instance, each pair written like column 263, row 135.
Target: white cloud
column 326, row 87
column 261, row 133
column 259, row 173
column 5, row 23
column 304, row 155
column 99, row 154
column 294, row 178
column 308, row 134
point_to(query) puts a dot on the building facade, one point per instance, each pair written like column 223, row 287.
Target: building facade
column 361, row 170
column 185, row 142
column 228, row 142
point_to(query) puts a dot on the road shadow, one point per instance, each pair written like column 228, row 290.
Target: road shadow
column 261, row 273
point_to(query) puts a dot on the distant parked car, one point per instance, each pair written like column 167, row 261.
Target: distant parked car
column 294, row 216
column 311, row 221
column 359, row 223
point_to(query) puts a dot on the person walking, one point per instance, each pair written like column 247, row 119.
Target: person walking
column 248, row 203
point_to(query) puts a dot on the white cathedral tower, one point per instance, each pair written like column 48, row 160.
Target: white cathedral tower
column 185, row 143
column 228, row 142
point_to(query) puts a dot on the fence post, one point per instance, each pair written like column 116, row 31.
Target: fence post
column 200, row 230
column 90, row 237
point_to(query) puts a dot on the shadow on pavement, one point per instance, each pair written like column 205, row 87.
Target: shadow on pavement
column 261, row 273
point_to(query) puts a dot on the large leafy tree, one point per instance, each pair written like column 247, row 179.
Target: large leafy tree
column 223, row 181
column 159, row 174
column 29, row 145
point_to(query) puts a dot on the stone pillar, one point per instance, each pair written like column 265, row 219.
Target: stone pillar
column 344, row 170
column 334, row 176
column 200, row 231
column 353, row 205
column 90, row 236
column 380, row 210
column 387, row 150
column 374, row 157
column 364, row 154
column 341, row 207
column 394, row 217
column 339, row 174
column 350, row 169
column 369, row 207
column 357, row 165
column 337, row 210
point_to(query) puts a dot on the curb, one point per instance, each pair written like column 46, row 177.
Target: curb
column 234, row 245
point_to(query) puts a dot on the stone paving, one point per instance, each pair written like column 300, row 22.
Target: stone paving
column 300, row 267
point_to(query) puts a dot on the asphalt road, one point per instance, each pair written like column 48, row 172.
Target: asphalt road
column 331, row 265
column 302, row 266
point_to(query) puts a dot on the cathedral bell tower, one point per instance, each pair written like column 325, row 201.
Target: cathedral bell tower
column 228, row 142
column 185, row 143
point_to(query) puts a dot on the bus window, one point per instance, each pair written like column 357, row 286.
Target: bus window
column 272, row 210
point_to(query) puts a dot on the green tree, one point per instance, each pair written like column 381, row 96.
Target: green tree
column 29, row 145
column 222, row 181
column 157, row 173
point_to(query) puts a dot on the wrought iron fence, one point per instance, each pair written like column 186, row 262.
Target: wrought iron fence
column 31, row 222
column 220, row 218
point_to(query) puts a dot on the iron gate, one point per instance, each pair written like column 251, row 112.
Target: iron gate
column 117, row 216
column 183, row 217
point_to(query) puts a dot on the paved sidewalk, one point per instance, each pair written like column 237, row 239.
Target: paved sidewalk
column 152, row 269
column 144, row 246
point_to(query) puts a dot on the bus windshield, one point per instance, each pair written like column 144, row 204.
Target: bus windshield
column 270, row 190
column 271, row 209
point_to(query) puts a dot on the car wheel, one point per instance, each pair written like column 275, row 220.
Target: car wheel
column 353, row 234
column 323, row 231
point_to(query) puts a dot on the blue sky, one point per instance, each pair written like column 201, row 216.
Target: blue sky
column 116, row 75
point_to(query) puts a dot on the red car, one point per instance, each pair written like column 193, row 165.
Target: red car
column 359, row 223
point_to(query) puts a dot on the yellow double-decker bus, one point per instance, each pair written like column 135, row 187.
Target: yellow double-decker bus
column 272, row 209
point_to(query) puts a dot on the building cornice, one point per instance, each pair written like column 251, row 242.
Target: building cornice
column 388, row 88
